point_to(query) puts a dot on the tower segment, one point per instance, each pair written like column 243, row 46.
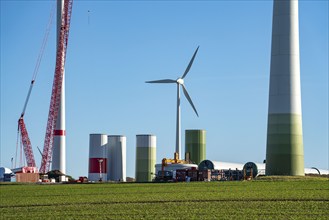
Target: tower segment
column 59, row 148
column 284, row 151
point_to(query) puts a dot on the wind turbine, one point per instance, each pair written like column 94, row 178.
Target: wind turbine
column 180, row 82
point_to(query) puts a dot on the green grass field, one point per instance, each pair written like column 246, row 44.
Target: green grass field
column 268, row 198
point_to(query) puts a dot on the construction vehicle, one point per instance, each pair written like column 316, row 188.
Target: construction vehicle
column 82, row 179
column 166, row 176
column 176, row 160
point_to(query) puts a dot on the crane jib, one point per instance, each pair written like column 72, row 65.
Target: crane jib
column 26, row 143
column 22, row 132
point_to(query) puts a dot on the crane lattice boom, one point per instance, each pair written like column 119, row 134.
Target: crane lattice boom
column 22, row 131
column 57, row 86
column 26, row 143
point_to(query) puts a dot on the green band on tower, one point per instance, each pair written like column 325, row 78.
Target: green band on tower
column 284, row 153
column 195, row 144
column 145, row 163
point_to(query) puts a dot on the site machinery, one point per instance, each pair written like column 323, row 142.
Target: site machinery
column 55, row 95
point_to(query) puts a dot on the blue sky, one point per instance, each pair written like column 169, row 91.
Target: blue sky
column 118, row 45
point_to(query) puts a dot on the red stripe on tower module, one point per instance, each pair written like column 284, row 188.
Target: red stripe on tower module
column 94, row 165
column 59, row 132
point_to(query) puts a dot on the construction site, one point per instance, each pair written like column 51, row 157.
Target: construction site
column 54, row 143
column 107, row 160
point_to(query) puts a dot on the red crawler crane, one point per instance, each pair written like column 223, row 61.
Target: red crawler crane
column 21, row 125
column 55, row 96
column 57, row 86
column 26, row 143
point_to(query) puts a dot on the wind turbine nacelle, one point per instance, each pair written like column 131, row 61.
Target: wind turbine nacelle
column 180, row 81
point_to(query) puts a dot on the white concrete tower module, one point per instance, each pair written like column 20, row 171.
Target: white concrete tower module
column 145, row 157
column 97, row 157
column 59, row 150
column 116, row 158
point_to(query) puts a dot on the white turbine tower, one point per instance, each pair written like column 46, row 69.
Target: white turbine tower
column 180, row 82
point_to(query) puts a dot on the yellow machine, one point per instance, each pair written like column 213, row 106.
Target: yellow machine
column 166, row 161
column 163, row 175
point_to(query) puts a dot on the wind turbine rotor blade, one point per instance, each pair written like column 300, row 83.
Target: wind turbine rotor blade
column 162, row 81
column 190, row 64
column 189, row 99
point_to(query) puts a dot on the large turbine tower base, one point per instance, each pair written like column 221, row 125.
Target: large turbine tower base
column 284, row 152
column 59, row 149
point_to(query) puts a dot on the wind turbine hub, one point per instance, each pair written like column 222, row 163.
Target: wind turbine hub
column 180, row 81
